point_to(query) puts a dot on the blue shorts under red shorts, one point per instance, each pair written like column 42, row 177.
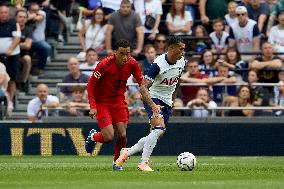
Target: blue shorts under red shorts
column 110, row 114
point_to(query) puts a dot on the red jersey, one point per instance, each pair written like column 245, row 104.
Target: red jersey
column 108, row 81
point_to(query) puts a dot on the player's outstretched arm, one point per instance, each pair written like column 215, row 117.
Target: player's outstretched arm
column 144, row 90
column 176, row 91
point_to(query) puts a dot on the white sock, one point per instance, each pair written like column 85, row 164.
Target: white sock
column 137, row 147
column 151, row 141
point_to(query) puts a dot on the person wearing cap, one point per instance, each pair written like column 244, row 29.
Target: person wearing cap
column 276, row 35
column 244, row 34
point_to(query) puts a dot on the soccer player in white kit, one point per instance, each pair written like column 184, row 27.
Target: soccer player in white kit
column 158, row 88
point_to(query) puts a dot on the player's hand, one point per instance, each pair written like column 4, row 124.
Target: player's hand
column 8, row 52
column 156, row 109
column 93, row 113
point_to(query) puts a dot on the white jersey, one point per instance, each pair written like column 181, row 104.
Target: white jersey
column 219, row 43
column 244, row 35
column 165, row 78
column 230, row 21
column 34, row 105
column 276, row 38
column 86, row 69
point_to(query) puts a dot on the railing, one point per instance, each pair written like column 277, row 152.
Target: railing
column 200, row 84
column 213, row 110
column 58, row 85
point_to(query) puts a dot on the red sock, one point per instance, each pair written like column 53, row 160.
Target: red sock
column 98, row 137
column 119, row 144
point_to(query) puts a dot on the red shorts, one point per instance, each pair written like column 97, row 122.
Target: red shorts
column 109, row 114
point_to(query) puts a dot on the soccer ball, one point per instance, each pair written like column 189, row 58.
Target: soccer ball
column 186, row 161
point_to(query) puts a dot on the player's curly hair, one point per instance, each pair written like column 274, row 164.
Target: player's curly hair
column 174, row 40
column 122, row 43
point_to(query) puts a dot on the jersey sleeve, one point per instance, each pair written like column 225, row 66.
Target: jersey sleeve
column 153, row 72
column 137, row 74
column 231, row 33
column 95, row 77
column 256, row 32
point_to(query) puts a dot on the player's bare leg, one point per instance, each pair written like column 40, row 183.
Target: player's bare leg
column 121, row 141
column 105, row 136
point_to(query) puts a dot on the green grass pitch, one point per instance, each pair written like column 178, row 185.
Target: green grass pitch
column 73, row 172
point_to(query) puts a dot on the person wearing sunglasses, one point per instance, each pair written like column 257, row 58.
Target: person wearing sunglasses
column 244, row 34
column 160, row 44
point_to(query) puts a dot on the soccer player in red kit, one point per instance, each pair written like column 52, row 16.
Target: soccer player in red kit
column 106, row 89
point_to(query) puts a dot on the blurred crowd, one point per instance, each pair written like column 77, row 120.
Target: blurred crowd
column 230, row 47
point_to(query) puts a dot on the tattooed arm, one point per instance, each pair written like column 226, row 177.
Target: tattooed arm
column 176, row 91
column 144, row 90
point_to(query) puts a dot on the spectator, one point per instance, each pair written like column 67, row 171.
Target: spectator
column 56, row 14
column 210, row 10
column 9, row 51
column 35, row 107
column 231, row 17
column 259, row 12
column 244, row 2
column 279, row 98
column 277, row 8
column 77, row 106
column 201, row 104
column 191, row 7
column 261, row 94
column 93, row 35
column 235, row 64
column 88, row 7
column 18, row 4
column 125, row 24
column 193, row 75
column 244, row 34
column 37, row 18
column 109, row 6
column 278, row 89
column 136, row 105
column 245, row 98
column 160, row 44
column 271, row 4
column 207, row 63
column 178, row 108
column 14, row 6
column 74, row 76
column 150, row 55
column 219, row 38
column 179, row 21
column 199, row 45
column 276, row 35
column 154, row 9
column 267, row 65
column 4, row 80
column 25, row 46
column 88, row 67
column 220, row 91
